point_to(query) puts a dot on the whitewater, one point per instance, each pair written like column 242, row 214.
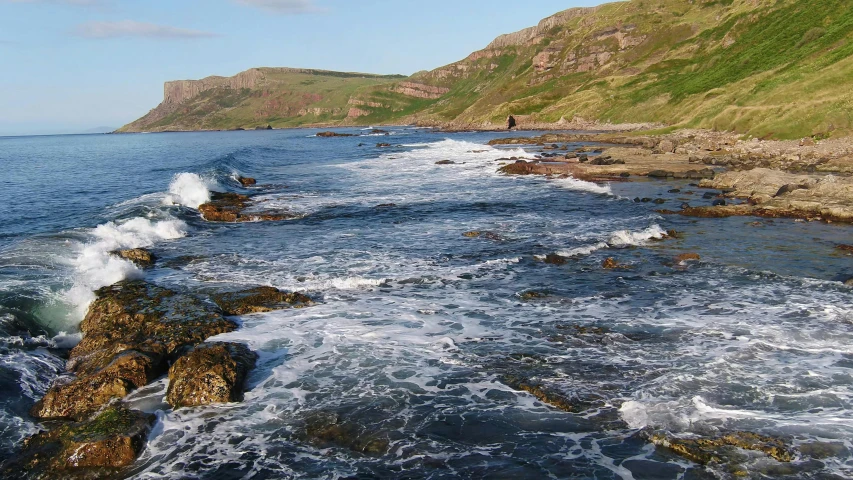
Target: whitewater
column 421, row 335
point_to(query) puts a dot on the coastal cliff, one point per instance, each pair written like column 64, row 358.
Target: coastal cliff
column 767, row 68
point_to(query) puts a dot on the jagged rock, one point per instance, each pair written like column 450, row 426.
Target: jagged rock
column 131, row 331
column 210, row 373
column 247, row 181
column 229, row 207
column 532, row 295
column 85, row 394
column 139, row 256
column 95, row 448
column 721, row 450
column 258, row 300
column 334, row 134
column 611, row 264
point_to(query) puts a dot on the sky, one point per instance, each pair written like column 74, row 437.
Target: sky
column 68, row 66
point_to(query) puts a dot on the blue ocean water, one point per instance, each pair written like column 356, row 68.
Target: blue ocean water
column 419, row 329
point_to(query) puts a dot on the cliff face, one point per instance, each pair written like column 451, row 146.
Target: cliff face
column 739, row 65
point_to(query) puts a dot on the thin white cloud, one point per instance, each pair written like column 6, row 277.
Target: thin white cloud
column 286, row 7
column 130, row 28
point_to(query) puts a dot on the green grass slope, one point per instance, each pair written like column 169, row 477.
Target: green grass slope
column 768, row 68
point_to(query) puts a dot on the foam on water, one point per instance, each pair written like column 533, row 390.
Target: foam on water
column 189, row 190
column 96, row 267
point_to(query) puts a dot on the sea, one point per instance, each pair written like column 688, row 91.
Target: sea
column 413, row 358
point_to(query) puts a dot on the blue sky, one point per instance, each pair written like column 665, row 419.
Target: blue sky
column 72, row 65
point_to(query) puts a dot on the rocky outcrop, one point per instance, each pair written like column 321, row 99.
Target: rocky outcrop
column 529, row 36
column 130, row 333
column 723, row 449
column 139, row 256
column 231, row 208
column 419, row 90
column 95, row 448
column 208, row 374
column 259, row 300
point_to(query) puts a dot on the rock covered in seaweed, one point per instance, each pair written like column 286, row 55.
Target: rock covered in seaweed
column 722, row 449
column 131, row 331
column 258, row 300
column 210, row 373
column 95, row 448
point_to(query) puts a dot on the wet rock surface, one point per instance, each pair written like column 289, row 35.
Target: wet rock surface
column 247, row 181
column 131, row 330
column 334, row 134
column 139, row 256
column 722, row 449
column 210, row 373
column 231, row 208
column 330, row 429
column 98, row 447
column 259, row 300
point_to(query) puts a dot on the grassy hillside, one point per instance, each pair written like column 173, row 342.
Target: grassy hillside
column 769, row 68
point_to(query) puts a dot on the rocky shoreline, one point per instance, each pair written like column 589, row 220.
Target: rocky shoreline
column 804, row 179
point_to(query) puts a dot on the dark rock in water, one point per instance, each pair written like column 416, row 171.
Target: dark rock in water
column 660, row 174
column 532, row 295
column 139, row 256
column 710, row 195
column 445, row 162
column 625, row 175
column 611, row 264
column 95, row 448
column 326, row 429
column 659, row 201
column 386, row 205
column 675, row 190
column 383, row 145
column 685, row 205
column 722, row 449
column 247, row 181
column 377, row 131
column 542, row 393
column 484, row 234
column 719, row 203
column 259, row 300
column 334, row 134
column 230, row 207
column 555, row 259
column 510, row 122
column 583, row 158
column 637, row 200
column 845, row 248
column 210, row 373
column 571, row 156
column 685, row 257
column 646, row 200
column 131, row 331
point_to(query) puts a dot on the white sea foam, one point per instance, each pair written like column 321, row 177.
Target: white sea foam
column 617, row 239
column 583, row 186
column 189, row 190
column 95, row 267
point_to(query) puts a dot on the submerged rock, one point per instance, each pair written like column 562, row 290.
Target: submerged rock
column 139, row 256
column 483, row 234
column 544, row 394
column 723, row 449
column 230, row 208
column 330, row 429
column 131, row 331
column 210, row 373
column 686, row 257
column 555, row 259
column 258, row 300
column 334, row 134
column 445, row 162
column 95, row 448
